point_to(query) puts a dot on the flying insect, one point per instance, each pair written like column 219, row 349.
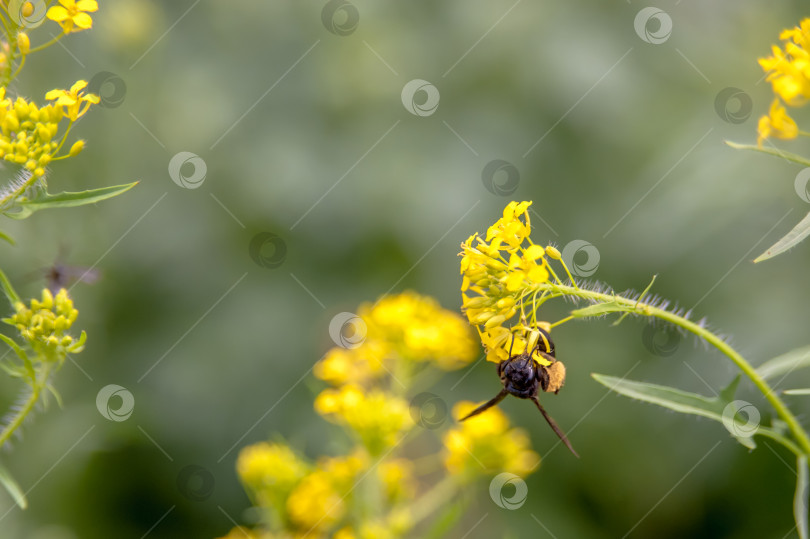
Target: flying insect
column 523, row 377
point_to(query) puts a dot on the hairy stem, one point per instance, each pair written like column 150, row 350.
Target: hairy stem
column 37, row 386
column 643, row 309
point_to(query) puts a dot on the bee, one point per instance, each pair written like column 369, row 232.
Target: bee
column 523, row 377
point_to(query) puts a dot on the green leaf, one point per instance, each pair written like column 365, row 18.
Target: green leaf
column 805, row 391
column 46, row 200
column 5, row 284
column 601, row 309
column 790, row 240
column 788, row 362
column 800, row 498
column 7, row 238
column 13, row 488
column 771, row 151
column 721, row 408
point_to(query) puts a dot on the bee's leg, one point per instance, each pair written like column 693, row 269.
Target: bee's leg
column 554, row 426
column 487, row 405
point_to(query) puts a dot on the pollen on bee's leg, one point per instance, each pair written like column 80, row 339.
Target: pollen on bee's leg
column 556, row 377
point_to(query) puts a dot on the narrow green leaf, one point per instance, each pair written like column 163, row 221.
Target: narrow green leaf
column 805, row 391
column 800, row 498
column 6, row 237
column 14, row 346
column 13, row 488
column 5, row 284
column 68, row 200
column 790, row 240
column 721, row 408
column 771, row 151
column 788, row 362
column 601, row 309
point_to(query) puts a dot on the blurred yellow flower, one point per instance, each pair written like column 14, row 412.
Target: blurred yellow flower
column 315, row 504
column 485, row 444
column 378, row 418
column 357, row 365
column 270, row 466
column 420, row 329
column 72, row 15
column 777, row 124
column 71, row 100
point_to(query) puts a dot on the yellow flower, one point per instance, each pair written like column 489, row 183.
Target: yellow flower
column 315, row 504
column 485, row 444
column 71, row 100
column 44, row 325
column 357, row 365
column 378, row 418
column 420, row 330
column 72, row 16
column 397, row 478
column 789, row 70
column 270, row 466
column 777, row 124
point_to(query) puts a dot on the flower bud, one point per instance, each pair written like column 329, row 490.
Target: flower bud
column 77, row 147
column 23, row 42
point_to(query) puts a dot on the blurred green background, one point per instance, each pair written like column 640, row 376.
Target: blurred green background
column 304, row 135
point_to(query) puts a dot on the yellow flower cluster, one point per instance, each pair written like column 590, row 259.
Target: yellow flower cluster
column 485, row 444
column 28, row 133
column 401, row 331
column 498, row 272
column 45, row 323
column 788, row 72
column 378, row 418
column 313, row 499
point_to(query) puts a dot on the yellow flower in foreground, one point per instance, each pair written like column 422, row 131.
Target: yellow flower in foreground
column 71, row 100
column 44, row 325
column 501, row 343
column 378, row 418
column 485, row 444
column 776, row 124
column 270, row 466
column 72, row 16
column 315, row 504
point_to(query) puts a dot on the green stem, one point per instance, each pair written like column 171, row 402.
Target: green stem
column 36, row 390
column 636, row 307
